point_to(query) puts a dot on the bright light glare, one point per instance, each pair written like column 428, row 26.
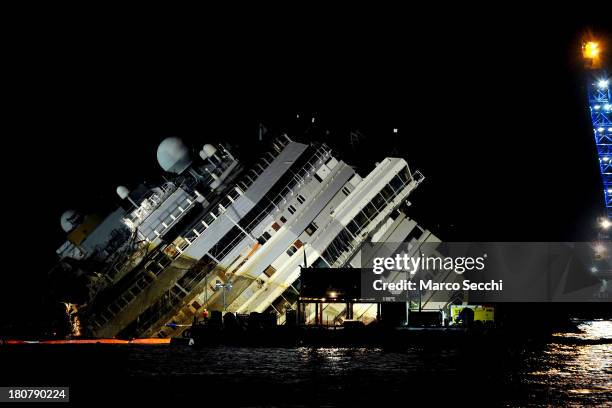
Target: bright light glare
column 594, row 269
column 591, row 49
column 603, row 83
column 605, row 223
column 600, row 249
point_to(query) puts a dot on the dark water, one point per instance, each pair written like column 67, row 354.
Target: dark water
column 570, row 370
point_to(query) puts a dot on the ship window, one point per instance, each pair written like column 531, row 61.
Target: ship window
column 340, row 245
column 275, row 226
column 319, row 179
column 310, row 229
column 379, row 201
column 264, row 238
column 404, row 175
column 396, row 183
column 387, row 193
column 298, row 244
column 196, row 305
column 346, row 190
column 361, row 220
column 269, row 271
column 301, row 199
column 283, row 219
column 291, row 209
column 353, row 228
column 292, row 250
column 370, row 211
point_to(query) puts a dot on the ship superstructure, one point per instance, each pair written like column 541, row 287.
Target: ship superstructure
column 218, row 236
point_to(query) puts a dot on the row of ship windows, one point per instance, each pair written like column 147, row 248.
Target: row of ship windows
column 155, row 266
column 250, row 177
column 175, row 295
column 177, row 213
column 312, row 227
column 263, row 238
column 318, row 155
column 224, row 246
column 240, row 188
column 345, row 238
column 415, row 234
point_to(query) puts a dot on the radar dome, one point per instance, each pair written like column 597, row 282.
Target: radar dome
column 70, row 220
column 173, row 155
column 207, row 151
column 123, row 192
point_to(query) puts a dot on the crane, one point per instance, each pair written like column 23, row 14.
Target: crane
column 600, row 105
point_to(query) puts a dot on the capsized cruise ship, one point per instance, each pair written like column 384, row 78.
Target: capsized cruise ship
column 222, row 236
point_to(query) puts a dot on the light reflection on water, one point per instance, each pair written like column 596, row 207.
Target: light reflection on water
column 573, row 369
column 568, row 373
column 591, row 330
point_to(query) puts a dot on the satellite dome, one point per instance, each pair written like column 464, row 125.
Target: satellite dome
column 173, row 155
column 207, row 151
column 70, row 220
column 123, row 192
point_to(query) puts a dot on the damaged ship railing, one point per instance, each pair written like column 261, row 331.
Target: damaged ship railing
column 351, row 236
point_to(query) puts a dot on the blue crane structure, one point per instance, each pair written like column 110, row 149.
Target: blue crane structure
column 600, row 105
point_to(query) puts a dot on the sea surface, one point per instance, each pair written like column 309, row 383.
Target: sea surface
column 569, row 370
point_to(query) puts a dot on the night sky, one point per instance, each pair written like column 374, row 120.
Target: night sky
column 492, row 113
